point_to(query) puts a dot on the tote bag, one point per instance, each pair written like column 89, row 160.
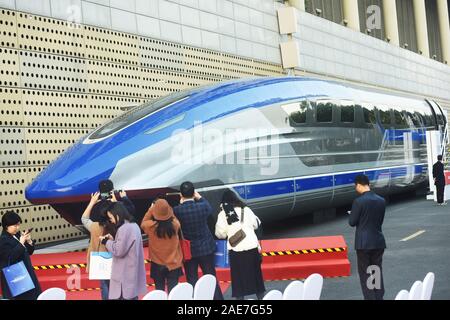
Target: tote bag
column 18, row 279
column 100, row 265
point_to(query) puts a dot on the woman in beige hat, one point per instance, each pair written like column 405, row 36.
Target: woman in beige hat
column 163, row 229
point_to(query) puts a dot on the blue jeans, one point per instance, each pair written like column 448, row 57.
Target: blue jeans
column 104, row 287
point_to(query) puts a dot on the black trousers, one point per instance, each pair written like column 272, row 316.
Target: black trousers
column 368, row 258
column 161, row 274
column 440, row 188
column 208, row 266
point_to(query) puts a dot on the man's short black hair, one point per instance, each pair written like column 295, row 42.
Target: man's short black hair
column 187, row 189
column 10, row 218
column 105, row 186
column 362, row 180
column 440, row 158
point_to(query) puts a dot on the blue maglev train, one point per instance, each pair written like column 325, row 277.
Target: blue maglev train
column 286, row 145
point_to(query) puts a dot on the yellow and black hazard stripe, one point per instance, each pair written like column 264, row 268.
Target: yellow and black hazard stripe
column 67, row 266
column 265, row 254
column 60, row 266
column 297, row 252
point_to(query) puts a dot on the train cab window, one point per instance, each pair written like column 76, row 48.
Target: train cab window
column 347, row 112
column 166, row 124
column 324, row 110
column 138, row 113
column 400, row 119
column 369, row 114
column 385, row 115
column 296, row 111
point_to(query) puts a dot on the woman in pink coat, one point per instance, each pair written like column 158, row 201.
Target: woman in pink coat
column 128, row 270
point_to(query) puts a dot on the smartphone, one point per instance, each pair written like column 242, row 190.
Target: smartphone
column 29, row 230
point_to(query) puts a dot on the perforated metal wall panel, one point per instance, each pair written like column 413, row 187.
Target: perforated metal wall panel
column 59, row 81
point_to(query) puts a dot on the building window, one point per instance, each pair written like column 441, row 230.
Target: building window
column 330, row 10
column 406, row 25
column 434, row 36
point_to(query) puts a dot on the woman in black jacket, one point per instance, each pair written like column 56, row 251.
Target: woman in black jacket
column 15, row 247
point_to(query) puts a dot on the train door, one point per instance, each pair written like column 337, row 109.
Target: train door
column 314, row 183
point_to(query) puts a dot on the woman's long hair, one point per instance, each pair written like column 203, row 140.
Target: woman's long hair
column 120, row 212
column 165, row 229
column 230, row 200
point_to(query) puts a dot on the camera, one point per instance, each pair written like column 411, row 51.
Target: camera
column 108, row 195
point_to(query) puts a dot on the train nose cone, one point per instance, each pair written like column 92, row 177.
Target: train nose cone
column 75, row 173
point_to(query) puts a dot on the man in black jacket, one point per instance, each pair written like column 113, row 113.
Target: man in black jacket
column 439, row 181
column 367, row 216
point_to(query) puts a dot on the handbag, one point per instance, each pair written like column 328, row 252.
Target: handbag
column 18, row 279
column 240, row 235
column 100, row 265
column 185, row 247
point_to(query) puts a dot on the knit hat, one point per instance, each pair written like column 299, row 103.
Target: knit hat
column 161, row 210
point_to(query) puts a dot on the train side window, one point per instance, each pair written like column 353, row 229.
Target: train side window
column 347, row 112
column 324, row 110
column 369, row 114
column 385, row 115
column 412, row 119
column 400, row 119
column 440, row 118
column 419, row 118
column 297, row 111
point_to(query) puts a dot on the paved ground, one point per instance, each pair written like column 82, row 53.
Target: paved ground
column 404, row 262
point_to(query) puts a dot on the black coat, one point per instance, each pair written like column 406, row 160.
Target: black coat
column 438, row 173
column 11, row 252
column 368, row 215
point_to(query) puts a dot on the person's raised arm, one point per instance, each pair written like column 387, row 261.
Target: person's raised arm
column 221, row 226
column 127, row 203
column 147, row 221
column 207, row 209
column 353, row 219
column 85, row 218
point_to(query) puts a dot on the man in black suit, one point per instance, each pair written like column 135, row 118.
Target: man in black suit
column 367, row 216
column 439, row 181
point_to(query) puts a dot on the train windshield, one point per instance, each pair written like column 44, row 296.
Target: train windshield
column 136, row 114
